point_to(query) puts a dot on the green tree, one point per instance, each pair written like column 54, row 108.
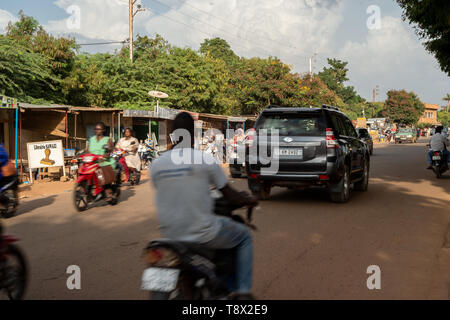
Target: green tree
column 145, row 48
column 335, row 76
column 403, row 107
column 59, row 52
column 26, row 75
column 431, row 21
column 219, row 49
column 447, row 99
column 444, row 118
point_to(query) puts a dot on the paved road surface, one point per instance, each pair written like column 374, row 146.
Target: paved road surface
column 306, row 247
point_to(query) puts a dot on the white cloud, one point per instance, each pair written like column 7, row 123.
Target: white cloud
column 99, row 19
column 5, row 17
column 291, row 30
column 284, row 28
column 393, row 58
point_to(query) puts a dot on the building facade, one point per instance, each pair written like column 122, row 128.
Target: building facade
column 430, row 115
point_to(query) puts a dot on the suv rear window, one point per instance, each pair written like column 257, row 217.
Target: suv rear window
column 295, row 124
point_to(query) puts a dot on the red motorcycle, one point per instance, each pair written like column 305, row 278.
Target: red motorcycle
column 13, row 268
column 88, row 187
column 119, row 156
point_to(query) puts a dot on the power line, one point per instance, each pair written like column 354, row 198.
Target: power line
column 222, row 30
column 189, row 26
column 232, row 24
column 101, row 43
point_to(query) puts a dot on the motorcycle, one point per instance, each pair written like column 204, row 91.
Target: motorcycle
column 9, row 198
column 119, row 155
column 147, row 153
column 88, row 189
column 133, row 178
column 187, row 271
column 13, row 268
column 438, row 164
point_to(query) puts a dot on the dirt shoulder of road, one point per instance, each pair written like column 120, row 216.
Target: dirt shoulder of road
column 43, row 188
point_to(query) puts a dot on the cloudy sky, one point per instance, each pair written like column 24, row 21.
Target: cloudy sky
column 381, row 49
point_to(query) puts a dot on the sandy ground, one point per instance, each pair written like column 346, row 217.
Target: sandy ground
column 306, row 247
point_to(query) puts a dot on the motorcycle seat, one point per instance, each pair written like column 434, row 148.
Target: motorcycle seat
column 183, row 247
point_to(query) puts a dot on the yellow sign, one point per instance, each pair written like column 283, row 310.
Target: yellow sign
column 361, row 122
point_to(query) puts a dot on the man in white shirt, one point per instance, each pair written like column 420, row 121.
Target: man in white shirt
column 183, row 177
column 438, row 142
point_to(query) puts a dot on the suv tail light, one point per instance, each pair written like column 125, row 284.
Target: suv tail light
column 331, row 140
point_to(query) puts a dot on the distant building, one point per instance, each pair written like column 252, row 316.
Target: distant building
column 430, row 114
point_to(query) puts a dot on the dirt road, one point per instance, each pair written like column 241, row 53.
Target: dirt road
column 306, row 246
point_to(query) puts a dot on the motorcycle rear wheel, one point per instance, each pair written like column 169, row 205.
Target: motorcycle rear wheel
column 115, row 198
column 437, row 170
column 11, row 206
column 16, row 289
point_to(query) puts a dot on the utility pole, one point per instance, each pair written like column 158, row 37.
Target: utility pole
column 375, row 92
column 131, row 14
column 311, row 60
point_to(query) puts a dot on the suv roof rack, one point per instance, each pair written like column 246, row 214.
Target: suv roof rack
column 326, row 106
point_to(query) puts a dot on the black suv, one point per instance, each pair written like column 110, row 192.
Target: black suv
column 318, row 147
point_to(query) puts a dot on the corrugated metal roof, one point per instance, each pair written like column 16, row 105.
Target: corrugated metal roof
column 94, row 109
column 36, row 106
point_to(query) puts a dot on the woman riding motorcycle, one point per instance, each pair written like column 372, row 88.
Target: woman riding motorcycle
column 101, row 145
column 132, row 157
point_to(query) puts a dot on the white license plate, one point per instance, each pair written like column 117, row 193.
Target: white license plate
column 298, row 152
column 436, row 158
column 74, row 167
column 160, row 279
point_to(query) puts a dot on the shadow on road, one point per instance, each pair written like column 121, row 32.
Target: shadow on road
column 27, row 206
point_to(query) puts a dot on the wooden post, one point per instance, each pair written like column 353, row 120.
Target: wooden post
column 112, row 127
column 119, row 132
column 67, row 131
column 31, row 175
column 20, row 143
column 75, row 130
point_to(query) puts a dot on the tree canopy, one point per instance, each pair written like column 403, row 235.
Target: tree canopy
column 403, row 107
column 432, row 23
column 36, row 66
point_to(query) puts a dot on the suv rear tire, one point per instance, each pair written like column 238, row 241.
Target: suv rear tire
column 344, row 194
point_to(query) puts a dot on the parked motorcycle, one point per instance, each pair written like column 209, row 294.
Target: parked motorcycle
column 13, row 268
column 9, row 198
column 188, row 271
column 147, row 153
column 88, row 188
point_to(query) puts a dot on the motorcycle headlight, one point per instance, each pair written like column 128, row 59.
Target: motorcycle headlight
column 88, row 159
